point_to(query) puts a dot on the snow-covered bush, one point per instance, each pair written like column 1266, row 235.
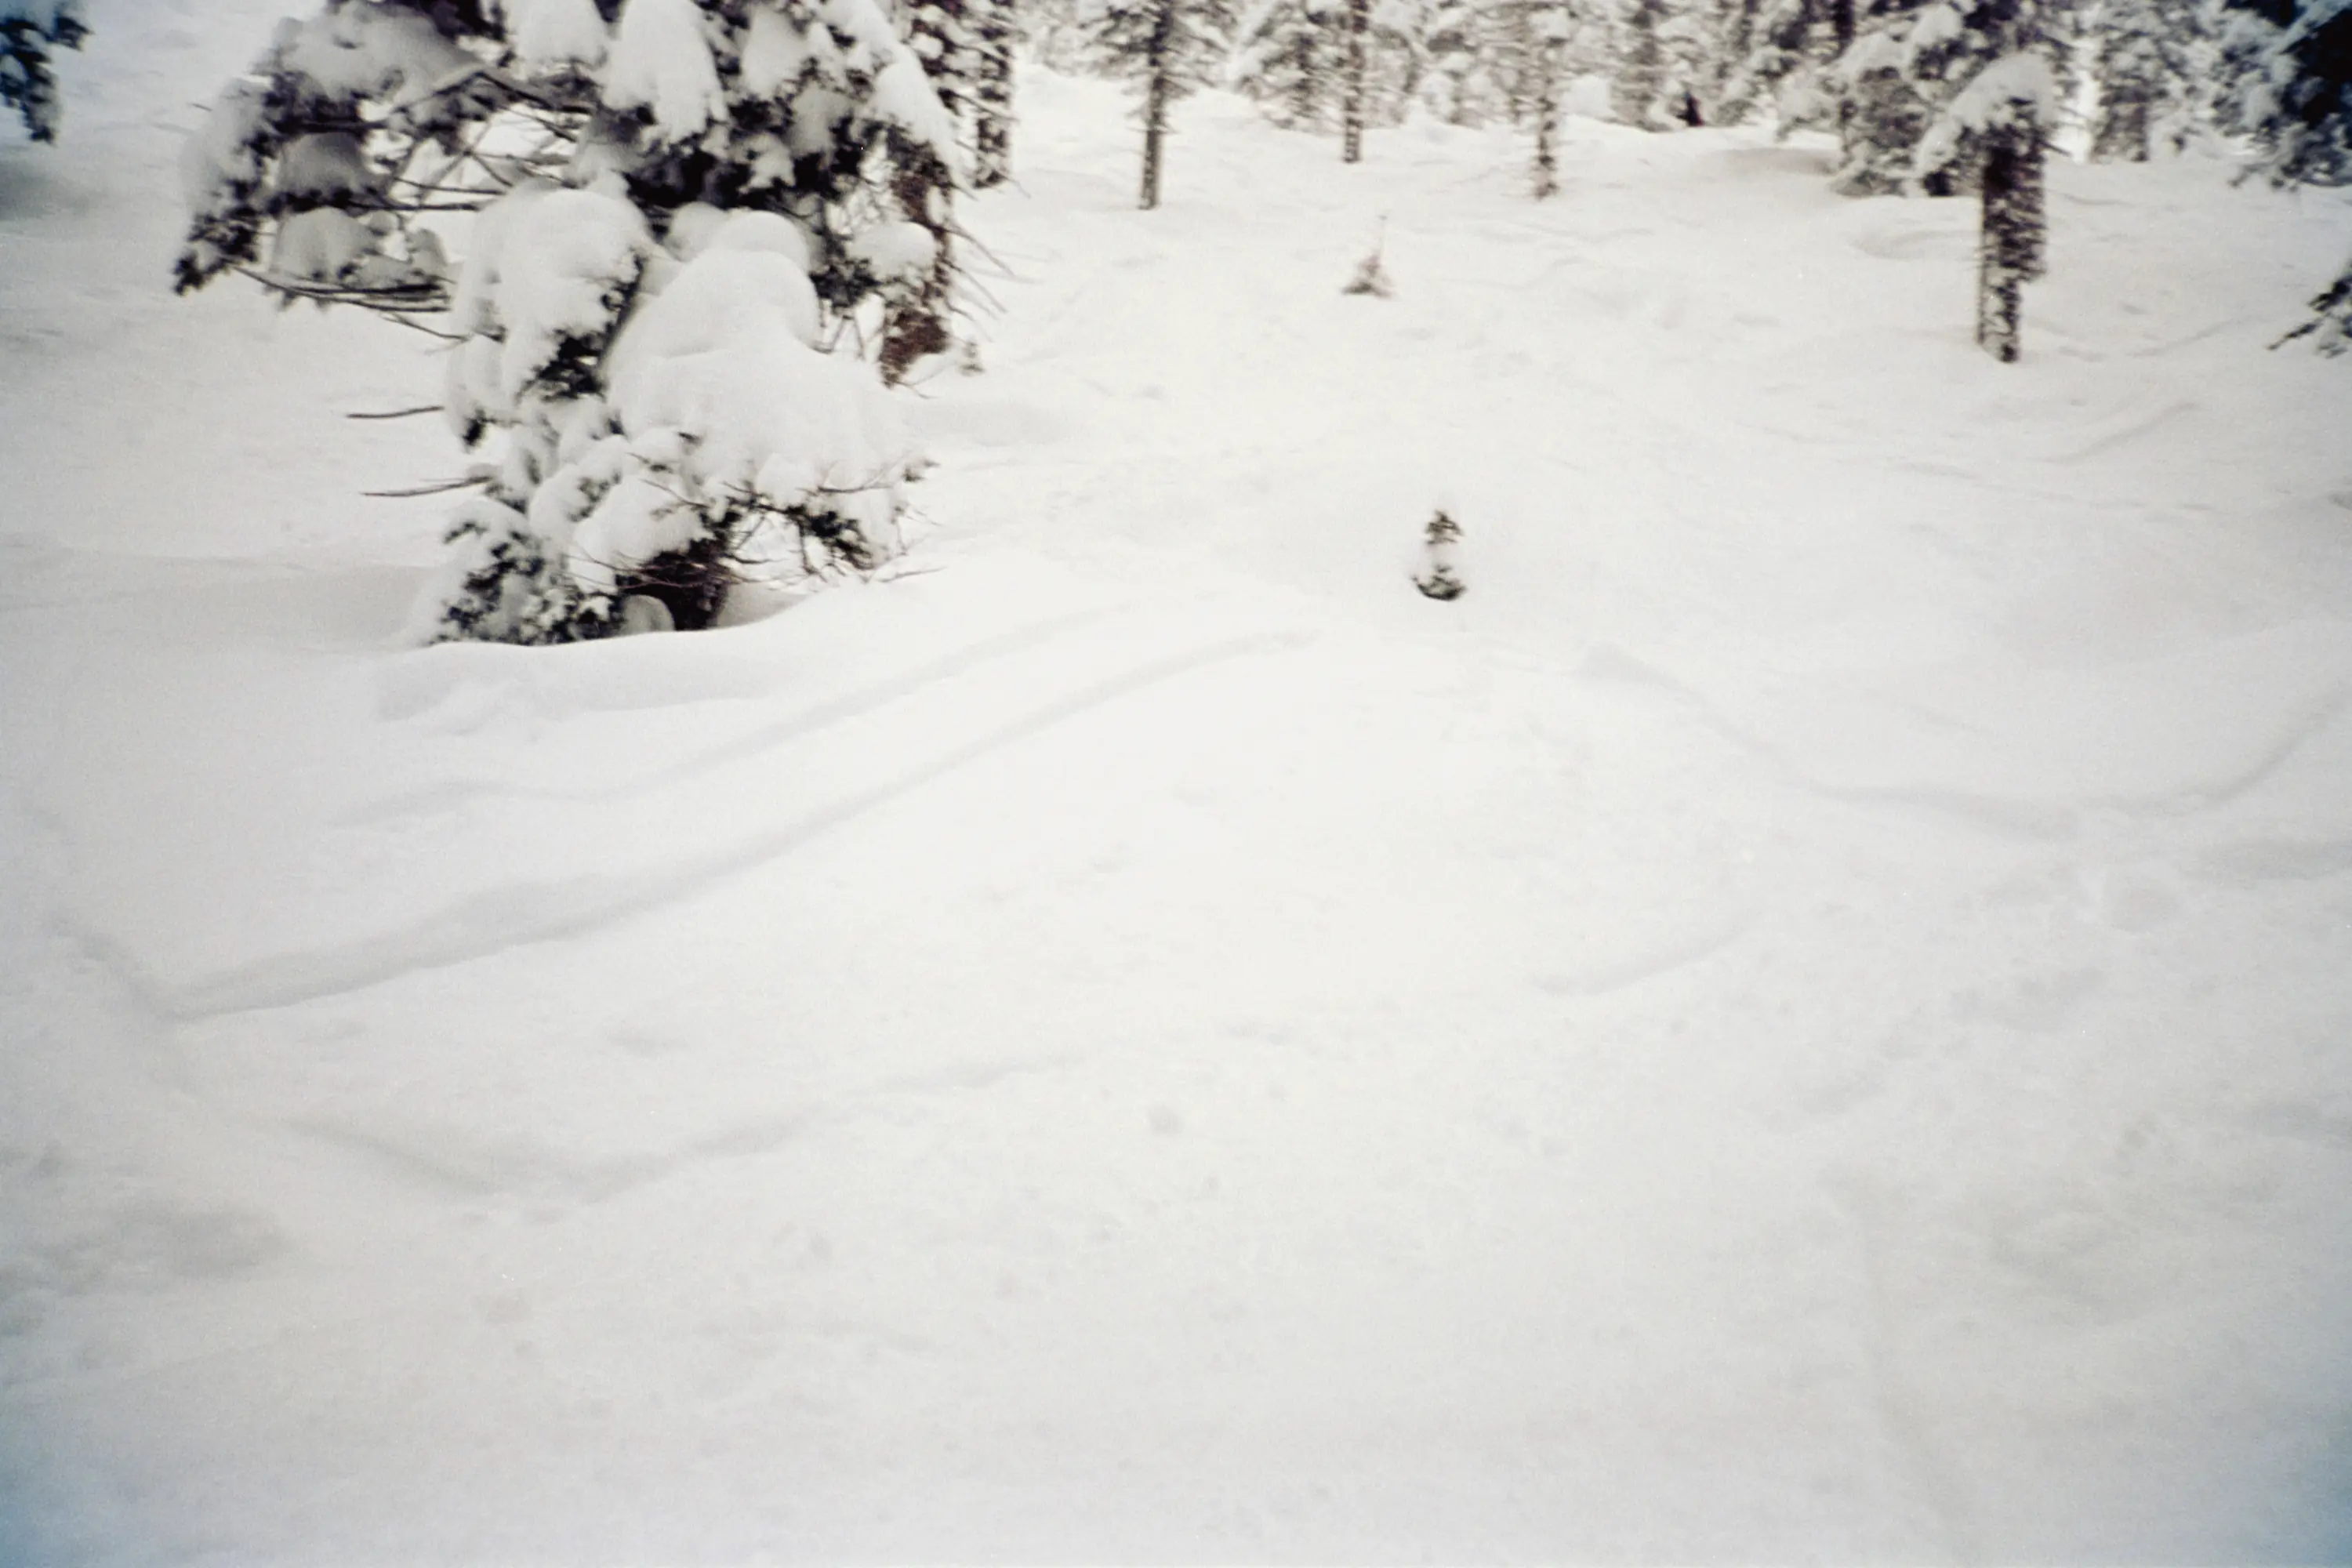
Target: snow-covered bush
column 677, row 226
column 30, row 30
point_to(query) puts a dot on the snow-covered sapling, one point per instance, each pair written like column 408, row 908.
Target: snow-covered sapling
column 30, row 30
column 1440, row 576
column 1371, row 276
column 681, row 222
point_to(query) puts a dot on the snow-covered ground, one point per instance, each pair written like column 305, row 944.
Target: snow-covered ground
column 1810, row 1015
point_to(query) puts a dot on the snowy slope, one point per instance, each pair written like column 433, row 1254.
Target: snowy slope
column 1809, row 1015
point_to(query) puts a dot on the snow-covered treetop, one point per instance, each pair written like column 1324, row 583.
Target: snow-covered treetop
column 389, row 110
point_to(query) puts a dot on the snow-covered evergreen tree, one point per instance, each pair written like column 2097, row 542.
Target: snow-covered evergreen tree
column 1169, row 49
column 2293, row 92
column 675, row 212
column 1355, row 77
column 1540, row 36
column 2293, row 97
column 1777, row 54
column 1996, row 127
column 1288, row 59
column 1459, row 83
column 2143, row 61
column 31, row 31
column 916, row 323
column 991, row 28
column 1637, row 88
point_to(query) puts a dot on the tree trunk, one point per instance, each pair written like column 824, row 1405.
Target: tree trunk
column 1155, row 127
column 1546, row 112
column 1351, row 113
column 993, row 29
column 2009, row 246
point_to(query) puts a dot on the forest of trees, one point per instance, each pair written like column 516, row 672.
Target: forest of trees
column 651, row 181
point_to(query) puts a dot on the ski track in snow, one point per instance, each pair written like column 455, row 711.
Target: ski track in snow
column 1803, row 1017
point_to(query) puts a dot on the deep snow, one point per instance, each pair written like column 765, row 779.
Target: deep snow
column 1810, row 1015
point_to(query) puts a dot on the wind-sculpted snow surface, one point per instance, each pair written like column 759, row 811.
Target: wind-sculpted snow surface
column 1805, row 1015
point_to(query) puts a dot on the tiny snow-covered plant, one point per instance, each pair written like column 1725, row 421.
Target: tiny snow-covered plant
column 1440, row 576
column 1371, row 276
column 30, row 33
column 684, row 216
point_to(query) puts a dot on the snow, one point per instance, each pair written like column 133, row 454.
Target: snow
column 551, row 33
column 659, row 61
column 1804, row 1017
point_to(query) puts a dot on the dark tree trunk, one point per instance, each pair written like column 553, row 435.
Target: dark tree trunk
column 1156, row 93
column 1547, row 113
column 993, row 28
column 2010, row 244
column 1351, row 111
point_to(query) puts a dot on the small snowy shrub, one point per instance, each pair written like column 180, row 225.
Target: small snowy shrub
column 679, row 222
column 30, row 30
column 1440, row 575
column 1371, row 276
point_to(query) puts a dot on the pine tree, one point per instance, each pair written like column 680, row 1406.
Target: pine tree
column 991, row 26
column 923, row 185
column 30, row 32
column 1997, row 125
column 1355, row 80
column 1637, row 90
column 675, row 212
column 1169, row 49
column 2293, row 97
column 2293, row 87
column 1287, row 60
column 1459, row 83
column 2143, row 61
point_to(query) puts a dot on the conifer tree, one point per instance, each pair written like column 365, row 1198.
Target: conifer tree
column 923, row 185
column 1541, row 33
column 2294, row 99
column 1459, row 84
column 2144, row 62
column 1637, row 90
column 1169, row 49
column 676, row 211
column 1997, row 126
column 30, row 33
column 991, row 29
column 1779, row 52
column 1287, row 60
column 1355, row 67
column 2291, row 92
